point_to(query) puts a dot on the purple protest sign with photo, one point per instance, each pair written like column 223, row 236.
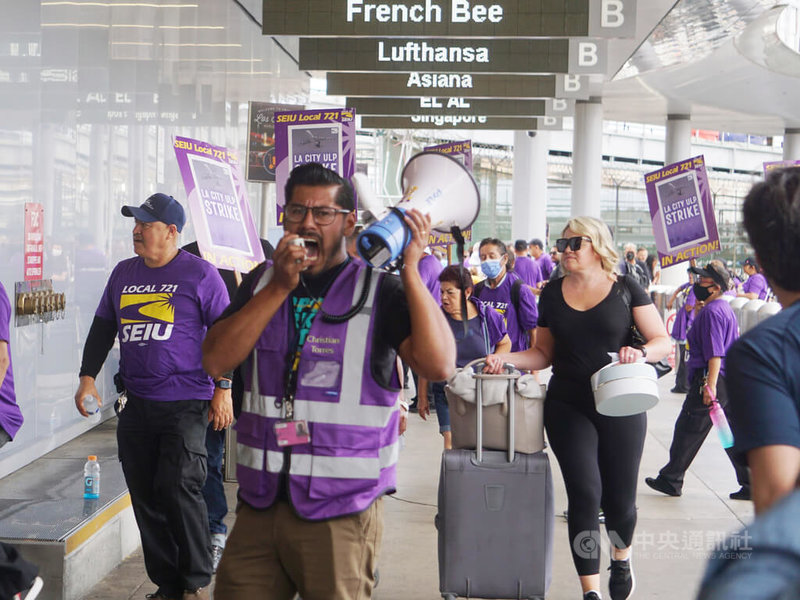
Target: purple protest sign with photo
column 681, row 210
column 326, row 136
column 779, row 164
column 462, row 152
column 217, row 200
column 261, row 160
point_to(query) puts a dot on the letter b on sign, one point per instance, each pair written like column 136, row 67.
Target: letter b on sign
column 612, row 18
column 587, row 56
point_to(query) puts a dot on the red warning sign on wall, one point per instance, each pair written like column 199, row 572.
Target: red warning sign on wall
column 34, row 240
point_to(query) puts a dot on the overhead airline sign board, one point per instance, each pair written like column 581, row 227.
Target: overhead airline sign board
column 462, row 106
column 461, row 85
column 576, row 56
column 461, row 122
column 450, row 18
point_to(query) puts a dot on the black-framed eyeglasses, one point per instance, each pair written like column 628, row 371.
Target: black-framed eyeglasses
column 573, row 243
column 323, row 215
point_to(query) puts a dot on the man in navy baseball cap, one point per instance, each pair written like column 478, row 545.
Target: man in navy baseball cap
column 158, row 207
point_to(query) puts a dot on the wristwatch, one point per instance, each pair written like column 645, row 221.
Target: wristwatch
column 223, row 384
column 643, row 350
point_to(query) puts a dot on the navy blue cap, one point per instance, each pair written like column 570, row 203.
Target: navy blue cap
column 750, row 261
column 158, row 207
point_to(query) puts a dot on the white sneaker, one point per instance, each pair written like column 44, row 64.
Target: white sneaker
column 31, row 592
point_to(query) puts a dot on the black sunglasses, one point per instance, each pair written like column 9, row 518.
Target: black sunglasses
column 573, row 243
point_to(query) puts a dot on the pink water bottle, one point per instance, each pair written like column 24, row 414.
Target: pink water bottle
column 720, row 421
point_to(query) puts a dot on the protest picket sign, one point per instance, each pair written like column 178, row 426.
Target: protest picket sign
column 684, row 224
column 217, row 200
column 326, row 136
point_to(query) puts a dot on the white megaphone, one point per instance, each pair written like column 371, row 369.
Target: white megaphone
column 433, row 183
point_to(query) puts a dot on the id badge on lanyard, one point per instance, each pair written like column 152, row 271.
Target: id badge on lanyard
column 291, row 431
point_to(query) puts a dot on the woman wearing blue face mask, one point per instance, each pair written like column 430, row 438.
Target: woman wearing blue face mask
column 500, row 290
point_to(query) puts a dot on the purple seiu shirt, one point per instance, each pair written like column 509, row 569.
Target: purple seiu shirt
column 486, row 328
column 756, row 284
column 712, row 333
column 429, row 270
column 528, row 270
column 10, row 414
column 518, row 325
column 545, row 265
column 162, row 316
column 684, row 319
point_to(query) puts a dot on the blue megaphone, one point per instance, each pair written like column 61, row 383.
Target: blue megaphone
column 435, row 184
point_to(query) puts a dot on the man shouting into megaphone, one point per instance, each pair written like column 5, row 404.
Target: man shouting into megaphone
column 319, row 334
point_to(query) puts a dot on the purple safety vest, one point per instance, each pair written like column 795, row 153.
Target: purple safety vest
column 353, row 420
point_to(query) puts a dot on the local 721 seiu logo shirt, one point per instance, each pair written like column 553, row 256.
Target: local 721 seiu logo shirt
column 162, row 316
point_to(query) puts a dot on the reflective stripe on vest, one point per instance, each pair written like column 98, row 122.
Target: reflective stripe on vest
column 349, row 410
column 342, row 467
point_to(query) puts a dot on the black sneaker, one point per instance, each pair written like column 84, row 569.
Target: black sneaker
column 742, row 494
column 662, row 486
column 159, row 595
column 679, row 390
column 592, row 596
column 621, row 582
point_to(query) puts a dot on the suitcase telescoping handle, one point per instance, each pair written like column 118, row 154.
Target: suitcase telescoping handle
column 511, row 375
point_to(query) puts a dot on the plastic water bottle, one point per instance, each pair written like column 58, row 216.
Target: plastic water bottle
column 720, row 422
column 91, row 478
column 91, row 406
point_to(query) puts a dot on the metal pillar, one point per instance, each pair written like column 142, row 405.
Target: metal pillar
column 529, row 186
column 587, row 158
column 678, row 146
column 791, row 144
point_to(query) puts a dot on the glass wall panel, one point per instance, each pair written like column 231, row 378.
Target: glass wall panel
column 91, row 95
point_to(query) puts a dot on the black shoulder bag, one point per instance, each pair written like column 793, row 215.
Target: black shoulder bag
column 662, row 367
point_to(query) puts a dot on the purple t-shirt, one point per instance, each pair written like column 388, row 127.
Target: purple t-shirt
column 487, row 327
column 545, row 265
column 756, row 284
column 684, row 319
column 10, row 414
column 517, row 325
column 528, row 270
column 162, row 316
column 712, row 333
column 429, row 270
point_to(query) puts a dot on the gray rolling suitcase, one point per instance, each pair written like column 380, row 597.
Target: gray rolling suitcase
column 495, row 519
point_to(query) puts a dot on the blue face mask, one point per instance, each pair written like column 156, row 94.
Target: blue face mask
column 491, row 268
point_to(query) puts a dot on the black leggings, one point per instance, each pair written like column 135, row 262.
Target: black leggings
column 599, row 459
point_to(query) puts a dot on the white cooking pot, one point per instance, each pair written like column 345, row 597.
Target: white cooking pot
column 621, row 390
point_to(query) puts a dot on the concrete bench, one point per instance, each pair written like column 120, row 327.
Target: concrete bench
column 75, row 542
